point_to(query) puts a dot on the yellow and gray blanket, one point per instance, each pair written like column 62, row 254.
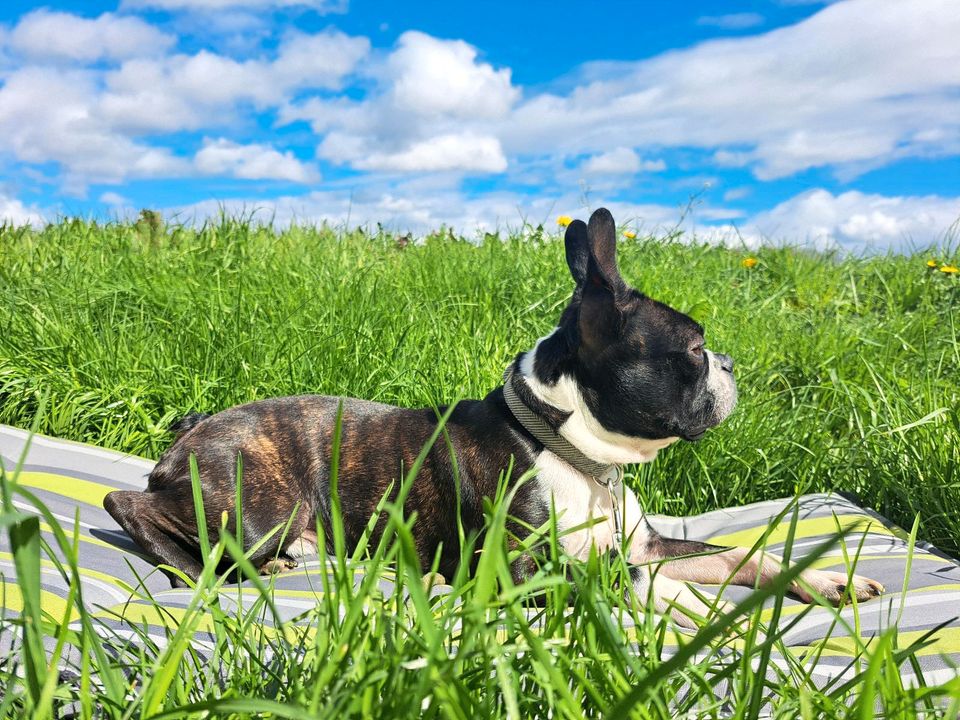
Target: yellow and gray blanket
column 70, row 478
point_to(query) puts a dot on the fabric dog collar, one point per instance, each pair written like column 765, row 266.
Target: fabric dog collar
column 608, row 476
column 551, row 439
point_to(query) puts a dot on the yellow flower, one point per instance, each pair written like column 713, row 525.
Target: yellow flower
column 749, row 262
column 629, row 234
column 564, row 220
column 952, row 269
column 931, row 263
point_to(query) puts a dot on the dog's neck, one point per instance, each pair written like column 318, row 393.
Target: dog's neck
column 558, row 389
column 542, row 421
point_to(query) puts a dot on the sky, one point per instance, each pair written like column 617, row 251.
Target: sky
column 828, row 124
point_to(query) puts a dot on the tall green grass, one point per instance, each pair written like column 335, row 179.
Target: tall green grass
column 848, row 371
column 480, row 650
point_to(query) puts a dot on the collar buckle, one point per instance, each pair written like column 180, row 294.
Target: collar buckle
column 612, row 481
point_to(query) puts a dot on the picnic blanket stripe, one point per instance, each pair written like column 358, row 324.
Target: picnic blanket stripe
column 857, row 525
column 85, row 491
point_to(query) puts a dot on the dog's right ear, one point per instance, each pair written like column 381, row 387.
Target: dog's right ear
column 602, row 270
column 578, row 252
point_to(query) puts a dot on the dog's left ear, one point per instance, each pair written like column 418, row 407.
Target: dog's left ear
column 578, row 252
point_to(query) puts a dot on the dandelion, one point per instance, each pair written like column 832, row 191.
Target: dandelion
column 629, row 234
column 950, row 269
column 749, row 262
column 564, row 220
column 932, row 264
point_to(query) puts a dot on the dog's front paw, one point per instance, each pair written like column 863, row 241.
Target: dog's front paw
column 273, row 566
column 834, row 586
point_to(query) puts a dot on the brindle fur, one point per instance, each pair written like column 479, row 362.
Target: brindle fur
column 286, row 446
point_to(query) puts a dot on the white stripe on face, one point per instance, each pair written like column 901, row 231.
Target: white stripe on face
column 721, row 386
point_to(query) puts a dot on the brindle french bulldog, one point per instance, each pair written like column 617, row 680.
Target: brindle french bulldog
column 621, row 377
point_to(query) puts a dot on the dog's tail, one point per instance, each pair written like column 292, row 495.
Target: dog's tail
column 185, row 424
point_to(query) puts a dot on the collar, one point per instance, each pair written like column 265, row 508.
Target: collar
column 605, row 475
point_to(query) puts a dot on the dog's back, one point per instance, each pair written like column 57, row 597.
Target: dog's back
column 285, row 446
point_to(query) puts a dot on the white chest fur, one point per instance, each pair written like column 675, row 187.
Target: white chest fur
column 583, row 507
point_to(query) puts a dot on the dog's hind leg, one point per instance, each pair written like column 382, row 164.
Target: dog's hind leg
column 145, row 516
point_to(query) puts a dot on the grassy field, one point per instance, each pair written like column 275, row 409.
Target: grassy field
column 848, row 369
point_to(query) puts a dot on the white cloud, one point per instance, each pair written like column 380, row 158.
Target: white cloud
column 737, row 193
column 399, row 209
column 14, row 212
column 466, row 152
column 252, row 162
column 88, row 120
column 423, row 205
column 115, row 200
column 733, row 21
column 5, row 61
column 717, row 213
column 45, row 34
column 442, row 77
column 317, row 61
column 857, row 221
column 320, row 6
column 855, row 86
column 189, row 91
column 859, row 83
column 620, row 161
column 47, row 115
column 433, row 108
column 730, row 158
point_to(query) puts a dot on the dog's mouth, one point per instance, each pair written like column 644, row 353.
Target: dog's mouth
column 694, row 436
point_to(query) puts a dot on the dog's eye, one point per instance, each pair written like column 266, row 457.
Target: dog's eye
column 697, row 350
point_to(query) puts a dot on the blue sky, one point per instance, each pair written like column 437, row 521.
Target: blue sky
column 832, row 124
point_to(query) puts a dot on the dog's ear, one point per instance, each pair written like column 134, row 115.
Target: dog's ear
column 602, row 270
column 578, row 252
column 600, row 312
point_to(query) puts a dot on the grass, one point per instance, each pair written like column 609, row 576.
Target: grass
column 849, row 375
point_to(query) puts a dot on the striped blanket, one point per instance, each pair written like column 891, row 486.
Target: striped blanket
column 71, row 478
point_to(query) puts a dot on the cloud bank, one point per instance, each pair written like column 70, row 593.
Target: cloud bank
column 392, row 134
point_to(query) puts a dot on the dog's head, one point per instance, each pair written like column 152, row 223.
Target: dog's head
column 641, row 369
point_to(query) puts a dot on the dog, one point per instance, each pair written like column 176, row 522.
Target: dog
column 620, row 378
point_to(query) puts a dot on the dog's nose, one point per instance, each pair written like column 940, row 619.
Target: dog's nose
column 726, row 362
